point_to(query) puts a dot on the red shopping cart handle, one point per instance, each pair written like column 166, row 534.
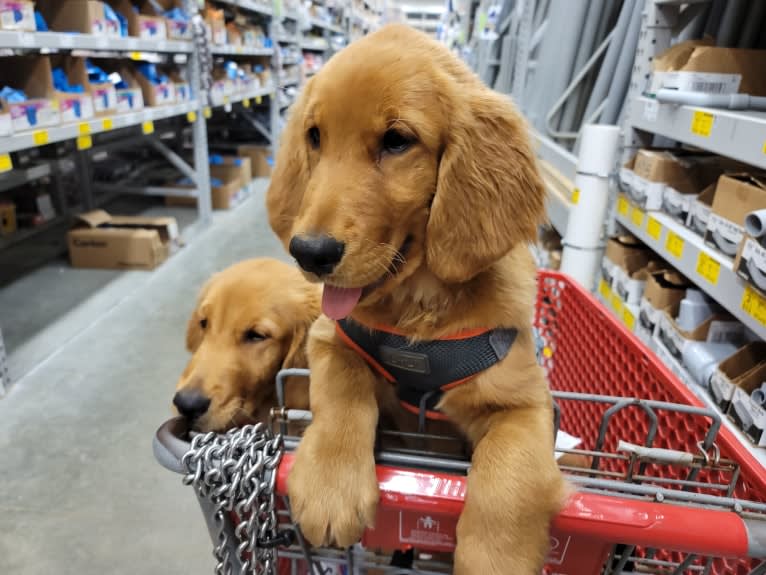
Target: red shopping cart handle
column 421, row 509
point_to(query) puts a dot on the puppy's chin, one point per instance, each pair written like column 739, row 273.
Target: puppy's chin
column 222, row 421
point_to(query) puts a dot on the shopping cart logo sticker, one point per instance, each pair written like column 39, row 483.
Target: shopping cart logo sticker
column 419, row 529
column 558, row 550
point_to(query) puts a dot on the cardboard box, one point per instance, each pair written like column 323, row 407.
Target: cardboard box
column 7, row 218
column 629, row 284
column 216, row 24
column 74, row 106
column 736, row 195
column 663, row 290
column 156, row 94
column 177, row 29
column 6, row 124
column 750, row 263
column 746, row 413
column 698, row 66
column 232, row 191
column 104, row 94
column 699, row 210
column 735, row 370
column 33, row 75
column 718, row 328
column 229, row 167
column 624, row 254
column 261, row 159
column 17, row 15
column 100, row 240
column 83, row 16
column 140, row 25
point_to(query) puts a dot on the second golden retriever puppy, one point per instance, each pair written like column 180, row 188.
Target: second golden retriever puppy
column 251, row 320
column 410, row 191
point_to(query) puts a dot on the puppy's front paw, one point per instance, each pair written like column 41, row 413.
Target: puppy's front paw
column 333, row 496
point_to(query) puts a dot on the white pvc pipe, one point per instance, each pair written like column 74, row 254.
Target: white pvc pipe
column 755, row 223
column 582, row 243
column 730, row 101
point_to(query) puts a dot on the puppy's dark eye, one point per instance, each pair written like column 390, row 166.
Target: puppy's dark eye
column 251, row 336
column 313, row 136
column 203, row 323
column 394, row 142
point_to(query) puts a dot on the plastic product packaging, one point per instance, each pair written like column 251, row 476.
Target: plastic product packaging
column 149, row 71
column 702, row 358
column 111, row 15
column 12, row 95
column 61, row 83
column 95, row 74
column 40, row 23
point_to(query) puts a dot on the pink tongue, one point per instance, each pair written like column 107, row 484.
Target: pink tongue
column 338, row 302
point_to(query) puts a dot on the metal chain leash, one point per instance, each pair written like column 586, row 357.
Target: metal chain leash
column 236, row 472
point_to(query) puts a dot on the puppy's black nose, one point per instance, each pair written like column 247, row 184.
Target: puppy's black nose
column 317, row 254
column 191, row 403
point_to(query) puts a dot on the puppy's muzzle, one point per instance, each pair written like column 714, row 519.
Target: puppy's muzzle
column 317, row 254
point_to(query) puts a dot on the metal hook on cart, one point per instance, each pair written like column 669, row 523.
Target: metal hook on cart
column 716, row 453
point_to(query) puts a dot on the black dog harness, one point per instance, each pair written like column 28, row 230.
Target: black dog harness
column 424, row 370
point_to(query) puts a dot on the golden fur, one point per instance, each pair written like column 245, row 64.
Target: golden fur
column 275, row 300
column 464, row 200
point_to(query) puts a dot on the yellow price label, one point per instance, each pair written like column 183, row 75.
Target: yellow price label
column 576, row 196
column 6, row 164
column 40, row 137
column 617, row 304
column 191, row 116
column 674, row 244
column 628, row 319
column 207, row 112
column 258, row 100
column 107, row 124
column 84, row 129
column 603, row 289
column 246, row 102
column 225, row 99
column 702, row 123
column 84, row 142
column 764, row 147
column 135, row 55
column 147, row 127
column 622, row 205
column 654, row 228
column 708, row 268
column 637, row 216
column 754, row 305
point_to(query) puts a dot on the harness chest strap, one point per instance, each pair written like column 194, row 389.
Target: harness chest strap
column 424, row 370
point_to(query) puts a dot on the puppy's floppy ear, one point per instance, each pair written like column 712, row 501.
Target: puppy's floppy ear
column 291, row 172
column 193, row 327
column 489, row 194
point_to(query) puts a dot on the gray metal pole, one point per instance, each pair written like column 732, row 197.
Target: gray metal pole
column 753, row 25
column 731, row 23
column 619, row 86
column 604, row 79
column 587, row 45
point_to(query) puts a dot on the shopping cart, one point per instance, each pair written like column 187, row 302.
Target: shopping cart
column 668, row 488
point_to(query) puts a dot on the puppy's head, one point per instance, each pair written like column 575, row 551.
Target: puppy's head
column 396, row 156
column 250, row 321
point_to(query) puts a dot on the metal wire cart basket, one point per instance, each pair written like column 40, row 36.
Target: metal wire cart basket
column 668, row 490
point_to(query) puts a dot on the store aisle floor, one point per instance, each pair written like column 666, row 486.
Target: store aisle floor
column 80, row 492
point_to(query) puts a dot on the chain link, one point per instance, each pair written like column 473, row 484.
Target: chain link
column 237, row 473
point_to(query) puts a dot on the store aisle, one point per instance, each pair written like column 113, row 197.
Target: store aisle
column 80, row 492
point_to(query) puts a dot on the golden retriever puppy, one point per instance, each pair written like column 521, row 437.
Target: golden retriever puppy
column 410, row 191
column 251, row 320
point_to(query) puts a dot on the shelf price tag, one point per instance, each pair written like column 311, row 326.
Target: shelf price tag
column 40, row 137
column 654, row 228
column 603, row 289
column 575, row 196
column 754, row 305
column 207, row 112
column 6, row 164
column 674, row 244
column 258, row 100
column 84, row 129
column 628, row 318
column 191, row 116
column 702, row 123
column 147, row 127
column 246, row 102
column 622, row 205
column 617, row 304
column 637, row 216
column 84, row 142
column 708, row 268
column 107, row 124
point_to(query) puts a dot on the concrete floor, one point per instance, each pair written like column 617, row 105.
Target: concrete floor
column 80, row 492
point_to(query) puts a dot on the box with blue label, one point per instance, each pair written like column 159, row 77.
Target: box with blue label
column 17, row 15
column 261, row 159
column 27, row 93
